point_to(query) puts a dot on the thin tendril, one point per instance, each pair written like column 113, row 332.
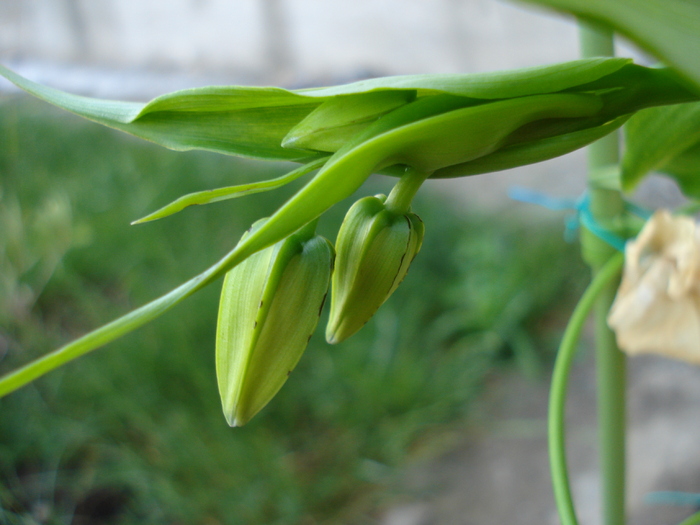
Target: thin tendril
column 557, row 395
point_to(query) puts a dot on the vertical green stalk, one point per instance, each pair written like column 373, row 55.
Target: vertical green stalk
column 606, row 206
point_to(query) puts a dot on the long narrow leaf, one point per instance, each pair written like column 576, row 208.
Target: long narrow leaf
column 115, row 329
column 421, row 134
column 243, row 121
column 230, row 192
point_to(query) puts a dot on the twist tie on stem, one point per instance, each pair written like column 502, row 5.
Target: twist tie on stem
column 582, row 216
column 680, row 499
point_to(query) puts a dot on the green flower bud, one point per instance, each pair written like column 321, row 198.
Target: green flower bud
column 270, row 305
column 375, row 248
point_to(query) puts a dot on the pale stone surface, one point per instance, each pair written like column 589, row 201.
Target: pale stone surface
column 500, row 472
column 306, row 39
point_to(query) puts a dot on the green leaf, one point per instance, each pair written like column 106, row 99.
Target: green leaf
column 422, row 134
column 253, row 121
column 230, row 192
column 655, row 136
column 465, row 134
column 337, row 120
column 429, row 133
column 531, row 152
column 115, row 329
column 685, row 169
column 490, row 85
column 244, row 121
column 669, row 29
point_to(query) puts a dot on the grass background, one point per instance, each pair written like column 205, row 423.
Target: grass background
column 134, row 433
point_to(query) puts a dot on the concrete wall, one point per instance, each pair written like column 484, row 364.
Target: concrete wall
column 284, row 40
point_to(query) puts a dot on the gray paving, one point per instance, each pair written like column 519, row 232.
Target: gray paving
column 499, row 472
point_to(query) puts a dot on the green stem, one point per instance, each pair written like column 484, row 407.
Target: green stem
column 690, row 208
column 308, row 231
column 401, row 196
column 606, row 206
column 692, row 520
column 557, row 393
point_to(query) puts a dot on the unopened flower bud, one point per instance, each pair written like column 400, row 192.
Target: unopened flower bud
column 375, row 248
column 270, row 305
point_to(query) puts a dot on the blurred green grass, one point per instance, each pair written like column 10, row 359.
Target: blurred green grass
column 133, row 433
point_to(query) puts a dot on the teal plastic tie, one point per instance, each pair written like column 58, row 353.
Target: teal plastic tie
column 680, row 499
column 582, row 215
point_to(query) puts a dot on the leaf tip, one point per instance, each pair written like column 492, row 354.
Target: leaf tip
column 147, row 218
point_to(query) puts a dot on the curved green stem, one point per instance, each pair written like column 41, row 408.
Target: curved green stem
column 692, row 520
column 560, row 378
column 308, row 231
column 401, row 196
column 690, row 208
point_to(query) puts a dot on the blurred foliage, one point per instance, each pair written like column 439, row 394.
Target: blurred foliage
column 134, row 433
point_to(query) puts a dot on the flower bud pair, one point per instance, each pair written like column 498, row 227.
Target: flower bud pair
column 270, row 305
column 375, row 248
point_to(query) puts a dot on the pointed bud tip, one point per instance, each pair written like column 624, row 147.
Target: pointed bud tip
column 337, row 333
column 235, row 419
column 231, row 420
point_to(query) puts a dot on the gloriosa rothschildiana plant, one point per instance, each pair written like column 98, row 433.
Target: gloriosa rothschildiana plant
column 413, row 128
